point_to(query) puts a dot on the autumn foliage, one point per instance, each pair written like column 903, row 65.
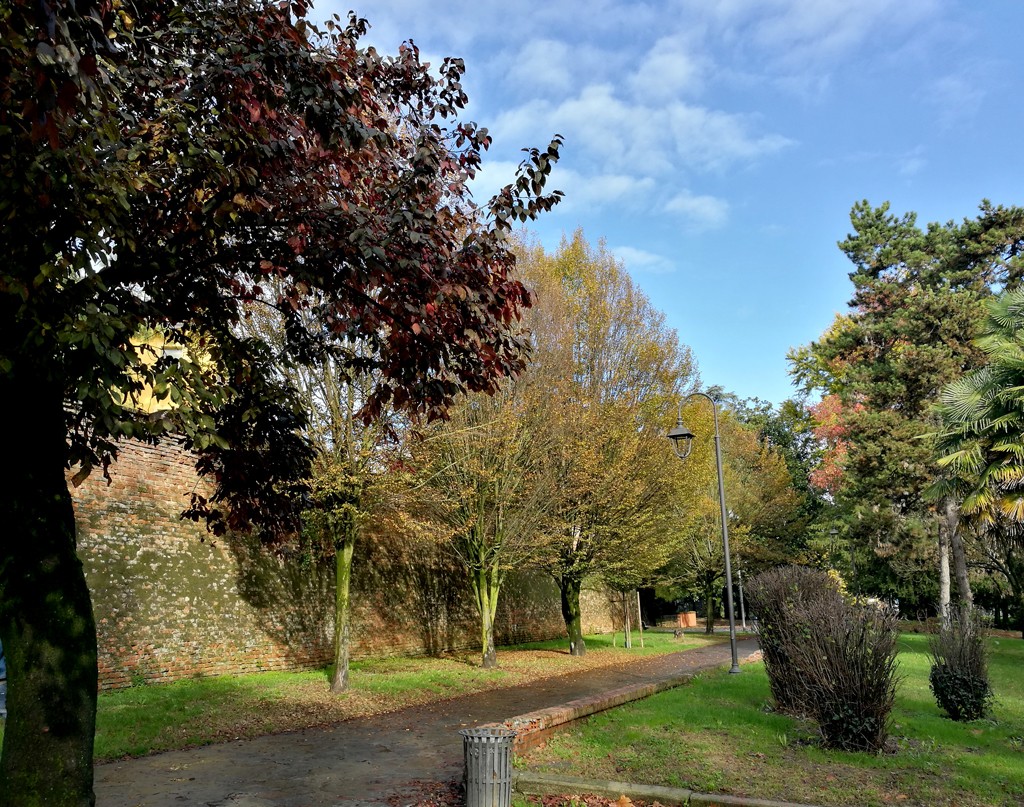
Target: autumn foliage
column 831, row 430
column 163, row 167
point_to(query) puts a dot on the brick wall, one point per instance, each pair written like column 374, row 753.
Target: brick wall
column 172, row 601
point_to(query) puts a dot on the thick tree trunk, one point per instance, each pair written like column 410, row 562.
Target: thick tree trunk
column 944, row 595
column 951, row 515
column 46, row 620
column 488, row 652
column 342, row 609
column 570, row 587
column 486, row 584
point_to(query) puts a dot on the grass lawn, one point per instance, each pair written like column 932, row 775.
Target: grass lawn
column 717, row 735
column 145, row 719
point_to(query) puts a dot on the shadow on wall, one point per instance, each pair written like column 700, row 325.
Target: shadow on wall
column 291, row 596
column 408, row 598
column 413, row 593
column 529, row 609
column 405, row 599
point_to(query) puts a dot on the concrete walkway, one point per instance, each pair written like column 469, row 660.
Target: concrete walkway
column 409, row 757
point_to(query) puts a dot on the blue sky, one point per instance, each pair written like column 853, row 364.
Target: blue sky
column 718, row 145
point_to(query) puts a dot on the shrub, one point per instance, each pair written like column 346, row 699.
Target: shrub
column 959, row 674
column 783, row 599
column 828, row 658
column 849, row 669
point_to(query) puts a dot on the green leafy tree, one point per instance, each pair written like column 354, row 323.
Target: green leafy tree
column 615, row 517
column 761, row 500
column 350, row 456
column 160, row 163
column 483, row 472
column 761, row 495
column 617, row 373
column 916, row 307
column 783, row 432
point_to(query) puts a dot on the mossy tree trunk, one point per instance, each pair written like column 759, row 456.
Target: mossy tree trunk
column 569, row 586
column 332, row 527
column 344, row 549
column 46, row 621
column 486, row 579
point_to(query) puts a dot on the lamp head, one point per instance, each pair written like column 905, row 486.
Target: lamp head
column 682, row 439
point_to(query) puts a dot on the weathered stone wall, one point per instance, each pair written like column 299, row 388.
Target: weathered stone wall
column 172, row 601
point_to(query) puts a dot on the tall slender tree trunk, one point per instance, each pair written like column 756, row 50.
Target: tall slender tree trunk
column 709, row 605
column 1015, row 577
column 46, row 619
column 951, row 515
column 639, row 618
column 627, row 636
column 569, row 587
column 944, row 595
column 344, row 549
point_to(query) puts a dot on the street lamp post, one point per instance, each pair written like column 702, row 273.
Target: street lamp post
column 682, row 444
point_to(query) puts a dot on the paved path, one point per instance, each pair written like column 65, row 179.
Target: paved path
column 394, row 759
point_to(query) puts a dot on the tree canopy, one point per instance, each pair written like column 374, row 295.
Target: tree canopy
column 917, row 305
column 617, row 372
column 162, row 166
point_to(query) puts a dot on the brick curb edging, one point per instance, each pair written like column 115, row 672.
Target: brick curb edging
column 547, row 784
column 533, row 728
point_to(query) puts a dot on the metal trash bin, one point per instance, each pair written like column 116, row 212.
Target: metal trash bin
column 488, row 753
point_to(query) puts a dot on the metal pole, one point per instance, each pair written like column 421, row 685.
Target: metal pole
column 725, row 540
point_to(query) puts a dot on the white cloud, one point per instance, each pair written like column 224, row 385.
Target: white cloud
column 543, row 64
column 492, row 177
column 710, row 138
column 582, row 192
column 464, row 25
column 592, row 191
column 911, row 163
column 702, row 212
column 639, row 260
column 669, row 70
column 803, row 34
column 957, row 97
column 604, row 130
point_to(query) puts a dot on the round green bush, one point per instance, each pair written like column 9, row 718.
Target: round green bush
column 962, row 695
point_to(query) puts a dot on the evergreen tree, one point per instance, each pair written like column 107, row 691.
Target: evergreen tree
column 916, row 308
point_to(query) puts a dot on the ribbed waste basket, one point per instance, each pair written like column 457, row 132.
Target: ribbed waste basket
column 488, row 753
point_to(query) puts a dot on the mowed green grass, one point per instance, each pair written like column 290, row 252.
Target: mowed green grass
column 145, row 719
column 718, row 735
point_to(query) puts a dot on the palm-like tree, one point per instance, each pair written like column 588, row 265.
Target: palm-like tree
column 980, row 444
